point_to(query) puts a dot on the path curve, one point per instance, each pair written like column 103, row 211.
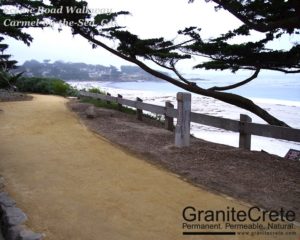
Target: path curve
column 76, row 185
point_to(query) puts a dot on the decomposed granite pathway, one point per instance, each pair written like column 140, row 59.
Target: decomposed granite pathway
column 73, row 184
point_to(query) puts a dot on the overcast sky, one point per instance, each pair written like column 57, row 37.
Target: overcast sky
column 154, row 18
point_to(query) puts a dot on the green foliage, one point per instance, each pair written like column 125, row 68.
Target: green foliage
column 18, row 33
column 4, row 79
column 103, row 104
column 223, row 55
column 5, row 63
column 155, row 49
column 46, row 86
column 96, row 90
column 8, row 80
column 59, row 87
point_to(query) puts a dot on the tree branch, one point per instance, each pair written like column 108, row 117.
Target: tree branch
column 215, row 88
column 230, row 98
column 180, row 76
column 283, row 70
column 177, row 45
column 292, row 22
column 160, row 64
column 173, row 69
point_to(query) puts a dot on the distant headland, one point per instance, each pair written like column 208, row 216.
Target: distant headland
column 83, row 72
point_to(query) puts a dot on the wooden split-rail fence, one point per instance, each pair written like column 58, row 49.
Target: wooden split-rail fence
column 185, row 116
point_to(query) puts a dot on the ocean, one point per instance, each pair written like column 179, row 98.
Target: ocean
column 279, row 94
column 280, row 87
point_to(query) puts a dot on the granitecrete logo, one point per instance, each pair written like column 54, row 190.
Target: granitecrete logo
column 231, row 221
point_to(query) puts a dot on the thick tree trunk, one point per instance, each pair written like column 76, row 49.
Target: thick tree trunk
column 246, row 104
column 230, row 98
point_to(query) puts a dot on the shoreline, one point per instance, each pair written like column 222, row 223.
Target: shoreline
column 109, row 85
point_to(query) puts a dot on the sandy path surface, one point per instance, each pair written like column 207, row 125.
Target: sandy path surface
column 74, row 184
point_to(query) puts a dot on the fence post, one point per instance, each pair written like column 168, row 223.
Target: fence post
column 139, row 112
column 245, row 138
column 169, row 121
column 108, row 94
column 119, row 104
column 182, row 131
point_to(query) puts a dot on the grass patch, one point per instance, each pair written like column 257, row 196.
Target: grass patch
column 97, row 90
column 104, row 104
column 157, row 117
column 114, row 106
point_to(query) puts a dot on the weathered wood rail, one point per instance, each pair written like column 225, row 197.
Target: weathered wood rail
column 184, row 117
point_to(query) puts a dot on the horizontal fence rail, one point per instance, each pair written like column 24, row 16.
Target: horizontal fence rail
column 130, row 103
column 245, row 128
column 263, row 130
column 223, row 123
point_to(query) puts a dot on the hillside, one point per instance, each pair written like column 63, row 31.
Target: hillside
column 83, row 72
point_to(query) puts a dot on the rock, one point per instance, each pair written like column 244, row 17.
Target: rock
column 13, row 216
column 13, row 233
column 19, row 232
column 11, row 220
column 29, row 235
column 6, row 201
column 72, row 98
column 90, row 112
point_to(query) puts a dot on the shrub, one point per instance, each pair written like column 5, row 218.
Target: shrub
column 4, row 81
column 7, row 79
column 96, row 90
column 42, row 87
column 104, row 104
column 45, row 86
column 59, row 87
